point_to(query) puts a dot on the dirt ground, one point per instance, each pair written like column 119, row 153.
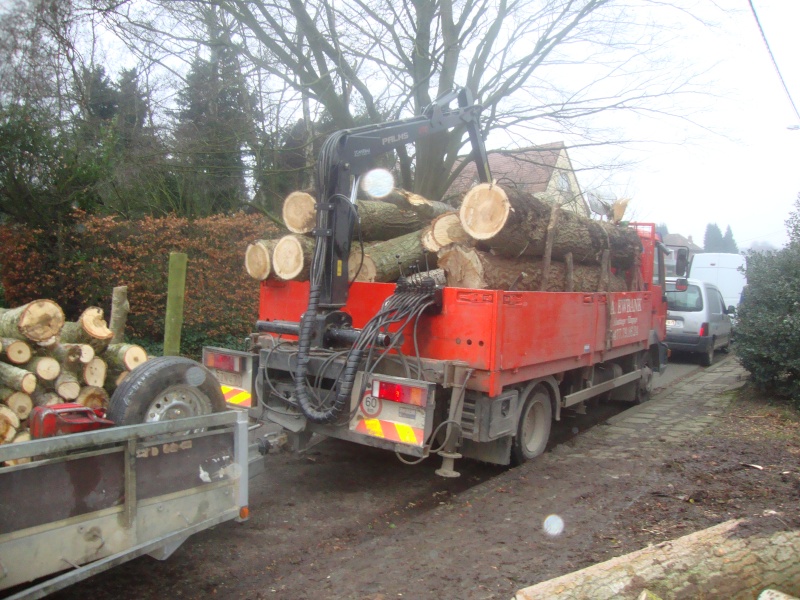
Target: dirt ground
column 341, row 523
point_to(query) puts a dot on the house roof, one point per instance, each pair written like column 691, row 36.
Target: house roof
column 528, row 168
column 676, row 239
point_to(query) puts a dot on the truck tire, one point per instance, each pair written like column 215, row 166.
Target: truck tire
column 165, row 388
column 533, row 428
column 644, row 387
column 707, row 358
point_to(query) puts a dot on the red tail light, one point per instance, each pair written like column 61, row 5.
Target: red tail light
column 223, row 362
column 704, row 330
column 395, row 392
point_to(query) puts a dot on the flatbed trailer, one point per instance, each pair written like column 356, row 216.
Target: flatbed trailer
column 481, row 377
column 91, row 501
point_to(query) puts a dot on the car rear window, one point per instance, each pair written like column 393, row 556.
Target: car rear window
column 689, row 301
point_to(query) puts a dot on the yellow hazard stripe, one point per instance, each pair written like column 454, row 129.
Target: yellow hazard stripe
column 236, row 395
column 406, row 434
column 374, row 427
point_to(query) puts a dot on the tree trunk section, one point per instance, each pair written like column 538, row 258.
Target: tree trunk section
column 92, row 397
column 22, row 436
column 446, row 229
column 113, row 379
column 70, row 355
column 90, row 329
column 120, row 307
column 258, row 259
column 300, row 212
column 9, row 424
column 67, row 385
column 19, row 402
column 291, row 259
column 515, row 224
column 124, row 357
column 720, row 562
column 467, row 267
column 94, row 372
column 36, row 321
column 44, row 367
column 42, row 397
column 383, row 261
column 426, row 209
column 15, row 351
column 17, row 379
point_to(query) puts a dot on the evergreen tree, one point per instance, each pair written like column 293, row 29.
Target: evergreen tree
column 712, row 241
column 662, row 230
column 729, row 243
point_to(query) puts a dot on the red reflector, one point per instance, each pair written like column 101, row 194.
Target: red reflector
column 223, row 362
column 704, row 330
column 396, row 392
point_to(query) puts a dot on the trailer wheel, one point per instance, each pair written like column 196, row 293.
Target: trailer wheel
column 165, row 388
column 533, row 428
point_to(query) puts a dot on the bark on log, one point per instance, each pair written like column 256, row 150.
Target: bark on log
column 92, row 397
column 724, row 561
column 124, row 357
column 383, row 260
column 113, row 379
column 17, row 379
column 19, row 402
column 426, row 209
column 36, row 321
column 67, row 385
column 94, row 372
column 467, row 267
column 515, row 224
column 71, row 354
column 16, row 351
column 90, row 329
column 258, row 259
column 291, row 259
column 119, row 313
column 45, row 368
column 49, row 343
column 9, row 424
column 42, row 397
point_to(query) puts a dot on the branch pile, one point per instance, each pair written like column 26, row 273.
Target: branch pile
column 496, row 240
column 46, row 360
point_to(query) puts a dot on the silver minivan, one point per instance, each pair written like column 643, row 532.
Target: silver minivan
column 697, row 320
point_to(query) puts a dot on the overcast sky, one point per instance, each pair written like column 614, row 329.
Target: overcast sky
column 746, row 174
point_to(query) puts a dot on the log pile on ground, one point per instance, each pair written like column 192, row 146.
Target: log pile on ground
column 45, row 360
column 495, row 240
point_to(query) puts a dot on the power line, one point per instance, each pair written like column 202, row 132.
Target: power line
column 772, row 56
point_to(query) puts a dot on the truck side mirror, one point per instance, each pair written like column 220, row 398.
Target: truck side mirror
column 681, row 262
column 731, row 310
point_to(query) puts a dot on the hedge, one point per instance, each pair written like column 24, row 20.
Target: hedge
column 79, row 264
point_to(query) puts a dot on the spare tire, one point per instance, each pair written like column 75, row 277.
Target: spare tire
column 165, row 388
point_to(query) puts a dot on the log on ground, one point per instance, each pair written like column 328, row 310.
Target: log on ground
column 384, row 261
column 467, row 267
column 515, row 224
column 36, row 321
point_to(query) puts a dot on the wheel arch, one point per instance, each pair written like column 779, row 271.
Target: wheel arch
column 551, row 385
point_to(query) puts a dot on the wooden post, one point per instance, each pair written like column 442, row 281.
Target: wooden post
column 176, row 294
column 119, row 313
column 570, row 284
column 548, row 246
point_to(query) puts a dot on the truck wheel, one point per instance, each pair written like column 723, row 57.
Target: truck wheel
column 707, row 358
column 533, row 428
column 165, row 388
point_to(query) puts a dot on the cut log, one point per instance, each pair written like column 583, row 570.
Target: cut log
column 16, row 351
column 467, row 267
column 383, row 261
column 67, row 385
column 22, row 436
column 113, row 379
column 291, row 259
column 49, row 343
column 92, row 397
column 19, row 402
column 90, row 329
column 428, row 241
column 515, row 224
column 42, row 397
column 71, row 354
column 36, row 321
column 124, row 357
column 17, row 379
column 94, row 372
column 379, row 220
column 258, row 259
column 120, row 307
column 9, row 424
column 44, row 367
column 426, row 209
column 300, row 212
column 446, row 229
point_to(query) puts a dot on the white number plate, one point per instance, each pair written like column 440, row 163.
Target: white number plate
column 674, row 323
column 227, row 378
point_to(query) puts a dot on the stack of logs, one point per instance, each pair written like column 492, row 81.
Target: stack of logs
column 46, row 361
column 497, row 239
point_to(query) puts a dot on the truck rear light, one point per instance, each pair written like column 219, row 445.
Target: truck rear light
column 396, row 392
column 223, row 362
column 704, row 330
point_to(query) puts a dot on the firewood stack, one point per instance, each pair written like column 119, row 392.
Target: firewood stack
column 45, row 360
column 496, row 240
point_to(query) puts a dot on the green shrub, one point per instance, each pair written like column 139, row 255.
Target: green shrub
column 768, row 328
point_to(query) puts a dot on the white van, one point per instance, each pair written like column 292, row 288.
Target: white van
column 697, row 320
column 722, row 270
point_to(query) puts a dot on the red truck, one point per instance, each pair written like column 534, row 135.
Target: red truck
column 418, row 367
